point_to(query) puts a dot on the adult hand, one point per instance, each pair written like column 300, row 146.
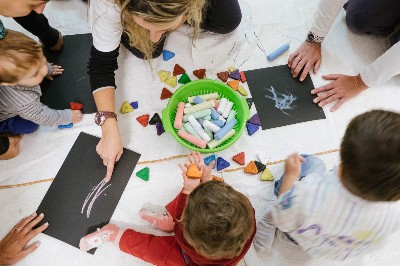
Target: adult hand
column 55, row 71
column 342, row 88
column 293, row 166
column 308, row 56
column 14, row 247
column 110, row 146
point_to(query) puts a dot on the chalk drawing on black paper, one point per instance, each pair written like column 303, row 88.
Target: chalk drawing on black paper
column 94, row 194
column 282, row 101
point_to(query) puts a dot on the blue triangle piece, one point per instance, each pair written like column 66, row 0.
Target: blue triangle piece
column 251, row 128
column 222, row 164
column 255, row 119
column 209, row 159
column 135, row 105
column 167, row 55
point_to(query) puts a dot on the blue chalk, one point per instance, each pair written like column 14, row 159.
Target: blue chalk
column 66, row 126
column 209, row 159
column 222, row 164
column 214, row 114
column 135, row 105
column 218, row 123
column 167, row 55
column 223, row 131
column 278, row 52
column 197, row 100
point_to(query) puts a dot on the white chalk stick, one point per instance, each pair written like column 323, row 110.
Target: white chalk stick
column 190, row 129
column 221, row 106
column 205, row 97
column 195, row 124
column 231, row 115
column 227, row 109
column 210, row 126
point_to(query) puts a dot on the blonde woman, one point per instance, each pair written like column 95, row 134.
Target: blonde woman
column 142, row 27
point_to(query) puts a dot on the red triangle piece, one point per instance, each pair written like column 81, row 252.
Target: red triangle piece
column 165, row 94
column 223, row 76
column 178, row 70
column 239, row 158
column 242, row 77
column 76, row 106
column 143, row 120
column 200, row 73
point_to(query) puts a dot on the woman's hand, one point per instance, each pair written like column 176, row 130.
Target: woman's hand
column 14, row 247
column 308, row 56
column 55, row 71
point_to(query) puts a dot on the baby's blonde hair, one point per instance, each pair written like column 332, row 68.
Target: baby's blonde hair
column 18, row 55
column 157, row 12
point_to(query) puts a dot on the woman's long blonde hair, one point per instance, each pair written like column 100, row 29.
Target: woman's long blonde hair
column 157, row 12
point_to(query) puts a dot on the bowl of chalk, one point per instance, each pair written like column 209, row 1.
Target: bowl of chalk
column 206, row 116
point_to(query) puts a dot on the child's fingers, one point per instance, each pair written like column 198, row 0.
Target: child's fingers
column 183, row 168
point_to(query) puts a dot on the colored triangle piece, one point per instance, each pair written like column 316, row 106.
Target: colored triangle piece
column 135, row 105
column 76, row 106
column 222, row 164
column 266, row 175
column 209, row 159
column 178, row 70
column 126, row 108
column 243, row 77
column 223, row 76
column 249, row 102
column 260, row 166
column 242, row 90
column 193, row 172
column 163, row 75
column 200, row 73
column 239, row 158
column 251, row 168
column 156, row 118
column 251, row 128
column 184, row 79
column 165, row 94
column 144, row 174
column 167, row 55
column 171, row 81
column 143, row 120
column 235, row 74
column 231, row 69
column 160, row 128
column 217, row 178
column 255, row 119
column 234, row 84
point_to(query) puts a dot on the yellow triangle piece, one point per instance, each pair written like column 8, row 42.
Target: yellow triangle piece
column 171, row 81
column 242, row 91
column 126, row 108
column 266, row 175
column 163, row 75
column 231, row 69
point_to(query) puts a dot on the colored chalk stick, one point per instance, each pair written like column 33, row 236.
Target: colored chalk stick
column 192, row 139
column 163, row 75
column 154, row 119
column 227, row 109
column 218, row 123
column 266, row 175
column 160, row 128
column 178, row 70
column 76, row 106
column 210, row 126
column 70, row 125
column 143, row 120
column 165, row 94
column 255, row 119
column 209, row 132
column 205, row 97
column 231, row 115
column 167, row 55
column 242, row 90
column 193, row 172
column 200, row 73
column 239, row 158
column 144, row 174
column 235, row 74
column 209, row 159
column 188, row 105
column 126, row 108
column 231, row 69
column 201, row 113
column 242, row 77
column 214, row 114
column 184, row 79
column 214, row 143
column 189, row 128
column 223, row 131
column 198, row 107
column 222, row 105
column 249, row 102
column 260, row 166
column 171, row 81
column 179, row 116
column 251, row 128
column 199, row 129
column 234, row 84
column 223, row 76
column 197, row 100
column 135, row 105
column 251, row 168
column 278, row 52
column 222, row 164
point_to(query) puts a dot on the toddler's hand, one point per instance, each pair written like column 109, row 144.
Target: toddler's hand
column 293, row 166
column 196, row 159
column 189, row 184
column 76, row 116
column 55, row 71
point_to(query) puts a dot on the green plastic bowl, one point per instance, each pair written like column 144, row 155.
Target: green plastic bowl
column 200, row 87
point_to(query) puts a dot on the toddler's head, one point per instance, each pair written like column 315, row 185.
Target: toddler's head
column 22, row 60
column 217, row 220
column 370, row 155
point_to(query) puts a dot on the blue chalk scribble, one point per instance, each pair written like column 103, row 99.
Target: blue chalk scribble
column 282, row 101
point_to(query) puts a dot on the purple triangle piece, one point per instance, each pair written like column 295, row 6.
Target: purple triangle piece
column 222, row 164
column 160, row 128
column 251, row 128
column 255, row 119
column 235, row 74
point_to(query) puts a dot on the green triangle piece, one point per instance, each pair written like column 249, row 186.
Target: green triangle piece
column 126, row 108
column 184, row 79
column 266, row 175
column 144, row 174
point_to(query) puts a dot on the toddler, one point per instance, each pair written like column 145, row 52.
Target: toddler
column 346, row 212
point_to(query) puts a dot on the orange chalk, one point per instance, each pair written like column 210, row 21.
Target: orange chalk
column 193, row 172
column 192, row 139
column 179, row 116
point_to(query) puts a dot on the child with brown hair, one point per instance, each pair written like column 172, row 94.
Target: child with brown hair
column 213, row 225
column 346, row 212
column 22, row 68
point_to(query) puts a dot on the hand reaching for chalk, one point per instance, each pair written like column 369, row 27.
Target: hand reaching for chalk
column 14, row 247
column 307, row 56
column 55, row 71
column 76, row 116
column 341, row 89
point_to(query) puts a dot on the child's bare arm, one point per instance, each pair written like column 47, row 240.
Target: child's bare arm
column 292, row 172
column 54, row 70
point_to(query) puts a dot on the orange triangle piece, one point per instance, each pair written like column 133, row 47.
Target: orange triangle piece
column 217, row 178
column 239, row 158
column 200, row 73
column 234, row 84
column 178, row 70
column 193, row 172
column 251, row 168
column 165, row 94
column 223, row 76
column 143, row 120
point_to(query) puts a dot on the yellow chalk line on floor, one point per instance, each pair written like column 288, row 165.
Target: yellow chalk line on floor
column 157, row 161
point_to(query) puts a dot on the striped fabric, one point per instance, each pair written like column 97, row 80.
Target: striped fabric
column 24, row 101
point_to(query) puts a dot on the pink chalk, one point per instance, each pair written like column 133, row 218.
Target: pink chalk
column 216, row 104
column 179, row 116
column 192, row 139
